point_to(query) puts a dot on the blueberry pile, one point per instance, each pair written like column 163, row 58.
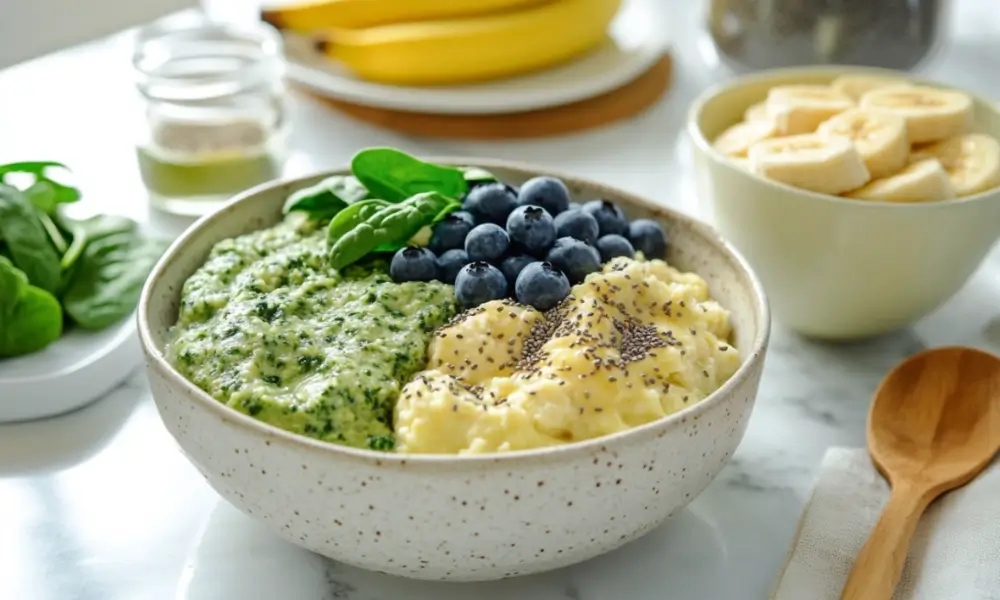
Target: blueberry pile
column 531, row 243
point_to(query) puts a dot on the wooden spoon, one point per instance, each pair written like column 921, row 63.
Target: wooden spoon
column 934, row 425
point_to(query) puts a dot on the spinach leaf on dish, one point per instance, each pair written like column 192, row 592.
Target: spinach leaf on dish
column 30, row 318
column 27, row 240
column 109, row 277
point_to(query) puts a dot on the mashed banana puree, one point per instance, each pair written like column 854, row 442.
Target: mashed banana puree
column 632, row 344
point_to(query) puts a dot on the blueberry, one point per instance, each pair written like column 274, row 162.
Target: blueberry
column 613, row 246
column 413, row 264
column 487, row 242
column 541, row 286
column 531, row 228
column 574, row 206
column 513, row 265
column 610, row 218
column 574, row 258
column 450, row 233
column 491, row 203
column 547, row 192
column 479, row 282
column 578, row 225
column 647, row 236
column 451, row 262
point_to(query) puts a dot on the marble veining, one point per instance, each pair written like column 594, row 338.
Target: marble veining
column 100, row 505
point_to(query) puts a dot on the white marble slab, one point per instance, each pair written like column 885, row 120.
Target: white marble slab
column 100, row 504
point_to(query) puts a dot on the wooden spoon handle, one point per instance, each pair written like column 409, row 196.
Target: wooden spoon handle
column 878, row 566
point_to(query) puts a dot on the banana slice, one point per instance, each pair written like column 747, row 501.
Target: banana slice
column 799, row 109
column 736, row 140
column 810, row 161
column 972, row 161
column 757, row 112
column 931, row 114
column 879, row 137
column 920, row 181
column 857, row 86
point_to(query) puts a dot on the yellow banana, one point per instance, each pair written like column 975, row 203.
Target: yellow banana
column 309, row 16
column 472, row 49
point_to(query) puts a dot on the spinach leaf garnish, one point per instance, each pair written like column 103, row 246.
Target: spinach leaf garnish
column 386, row 228
column 327, row 198
column 394, row 176
column 352, row 217
column 475, row 176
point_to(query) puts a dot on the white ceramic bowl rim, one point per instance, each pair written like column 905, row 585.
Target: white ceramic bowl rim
column 694, row 130
column 758, row 346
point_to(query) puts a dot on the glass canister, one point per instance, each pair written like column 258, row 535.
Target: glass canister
column 763, row 34
column 213, row 111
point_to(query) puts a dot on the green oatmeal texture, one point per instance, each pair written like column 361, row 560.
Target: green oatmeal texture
column 267, row 327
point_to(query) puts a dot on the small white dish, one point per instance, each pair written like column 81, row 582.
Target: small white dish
column 633, row 48
column 71, row 373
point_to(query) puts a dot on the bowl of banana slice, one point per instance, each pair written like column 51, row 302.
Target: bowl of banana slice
column 864, row 198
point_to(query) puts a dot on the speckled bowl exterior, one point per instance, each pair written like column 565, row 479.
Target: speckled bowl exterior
column 448, row 517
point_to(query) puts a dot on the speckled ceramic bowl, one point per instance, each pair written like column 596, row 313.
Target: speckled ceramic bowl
column 447, row 517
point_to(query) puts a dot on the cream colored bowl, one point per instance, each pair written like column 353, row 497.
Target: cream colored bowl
column 449, row 517
column 834, row 267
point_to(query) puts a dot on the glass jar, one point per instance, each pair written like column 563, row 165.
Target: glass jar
column 763, row 34
column 214, row 116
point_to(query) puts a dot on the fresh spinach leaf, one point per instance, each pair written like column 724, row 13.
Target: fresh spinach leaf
column 52, row 230
column 97, row 226
column 351, row 217
column 475, row 176
column 389, row 228
column 84, row 231
column 327, row 198
column 109, row 278
column 393, row 175
column 74, row 251
column 45, row 193
column 27, row 240
column 12, row 282
column 30, row 318
column 42, row 195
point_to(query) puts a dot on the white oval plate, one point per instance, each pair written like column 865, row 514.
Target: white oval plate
column 73, row 372
column 633, row 47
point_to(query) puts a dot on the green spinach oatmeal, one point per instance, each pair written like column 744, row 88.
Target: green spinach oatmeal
column 269, row 328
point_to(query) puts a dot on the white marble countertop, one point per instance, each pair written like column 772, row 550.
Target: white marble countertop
column 100, row 504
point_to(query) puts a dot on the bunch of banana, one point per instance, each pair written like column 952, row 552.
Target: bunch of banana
column 315, row 15
column 441, row 42
column 864, row 137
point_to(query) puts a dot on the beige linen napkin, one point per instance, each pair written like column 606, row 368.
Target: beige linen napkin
column 955, row 554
